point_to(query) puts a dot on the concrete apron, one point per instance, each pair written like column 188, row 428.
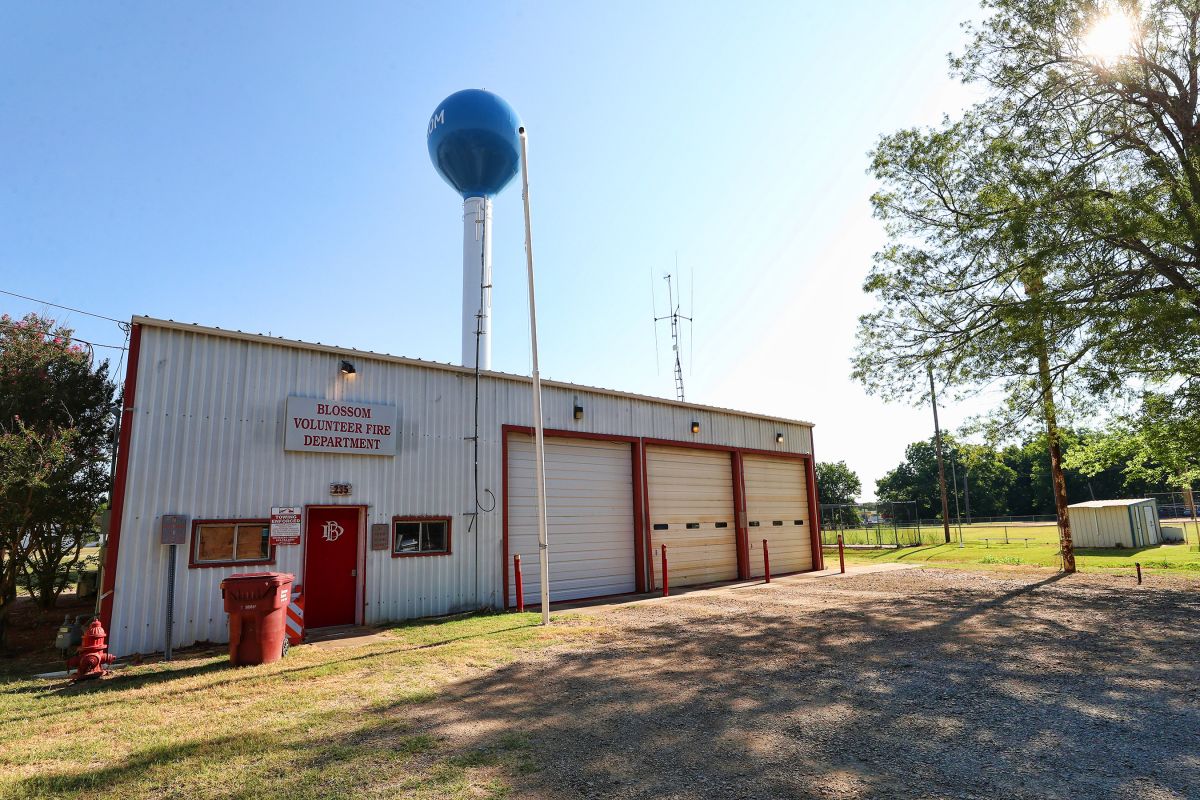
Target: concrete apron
column 724, row 588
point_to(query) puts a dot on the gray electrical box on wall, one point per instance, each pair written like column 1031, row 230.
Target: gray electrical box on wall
column 173, row 529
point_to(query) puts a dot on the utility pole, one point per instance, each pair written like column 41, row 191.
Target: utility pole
column 937, row 433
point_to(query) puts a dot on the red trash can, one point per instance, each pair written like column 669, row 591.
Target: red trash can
column 257, row 605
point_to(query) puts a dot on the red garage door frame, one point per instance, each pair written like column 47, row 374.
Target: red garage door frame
column 641, row 496
column 739, row 496
column 637, row 471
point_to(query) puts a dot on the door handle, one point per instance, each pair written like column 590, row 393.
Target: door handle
column 353, row 573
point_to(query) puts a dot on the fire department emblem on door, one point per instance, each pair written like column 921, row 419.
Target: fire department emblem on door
column 331, row 531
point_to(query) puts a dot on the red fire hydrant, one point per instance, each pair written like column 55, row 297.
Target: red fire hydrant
column 91, row 658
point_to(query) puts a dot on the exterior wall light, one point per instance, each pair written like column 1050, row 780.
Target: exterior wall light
column 578, row 412
column 346, row 368
column 779, row 438
column 695, row 427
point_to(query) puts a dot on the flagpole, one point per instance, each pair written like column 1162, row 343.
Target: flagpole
column 539, row 442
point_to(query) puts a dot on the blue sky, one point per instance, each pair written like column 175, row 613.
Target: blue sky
column 263, row 167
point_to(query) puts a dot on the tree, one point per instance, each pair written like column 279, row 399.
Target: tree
column 985, row 481
column 838, row 485
column 979, row 468
column 916, row 478
column 1152, row 446
column 56, row 422
column 1048, row 242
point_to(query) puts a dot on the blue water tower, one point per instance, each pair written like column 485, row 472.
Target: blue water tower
column 475, row 145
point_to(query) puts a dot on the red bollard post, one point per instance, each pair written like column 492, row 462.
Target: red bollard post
column 842, row 553
column 1139, row 569
column 766, row 563
column 666, row 584
column 520, row 583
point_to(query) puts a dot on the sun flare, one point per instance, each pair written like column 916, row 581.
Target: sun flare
column 1111, row 36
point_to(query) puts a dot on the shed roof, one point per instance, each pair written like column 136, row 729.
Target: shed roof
column 1110, row 503
column 299, row 344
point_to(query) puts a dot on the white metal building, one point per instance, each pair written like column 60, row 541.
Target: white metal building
column 377, row 452
column 1113, row 523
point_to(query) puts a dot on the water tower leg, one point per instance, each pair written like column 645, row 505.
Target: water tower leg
column 477, row 273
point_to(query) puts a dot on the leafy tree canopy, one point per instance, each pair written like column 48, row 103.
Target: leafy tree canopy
column 837, row 484
column 56, row 418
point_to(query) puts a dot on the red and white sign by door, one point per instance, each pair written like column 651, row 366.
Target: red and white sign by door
column 285, row 525
column 331, row 566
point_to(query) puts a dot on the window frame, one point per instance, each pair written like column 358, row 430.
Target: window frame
column 436, row 518
column 194, row 543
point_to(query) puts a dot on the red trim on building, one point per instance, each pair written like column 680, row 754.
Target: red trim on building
column 814, row 507
column 434, row 518
column 643, row 557
column 504, row 511
column 639, row 526
column 561, row 434
column 117, row 500
column 638, row 532
column 196, row 523
column 742, row 538
column 691, row 445
column 649, row 540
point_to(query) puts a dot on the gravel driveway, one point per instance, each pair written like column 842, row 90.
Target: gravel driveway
column 915, row 683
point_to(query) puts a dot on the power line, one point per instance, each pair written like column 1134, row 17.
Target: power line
column 75, row 338
column 65, row 308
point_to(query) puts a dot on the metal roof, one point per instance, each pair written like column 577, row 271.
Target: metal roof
column 416, row 362
column 1110, row 503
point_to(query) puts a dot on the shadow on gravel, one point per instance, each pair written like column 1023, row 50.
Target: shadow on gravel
column 1004, row 687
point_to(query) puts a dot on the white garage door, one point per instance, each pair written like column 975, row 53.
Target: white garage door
column 777, row 510
column 589, row 505
column 691, row 511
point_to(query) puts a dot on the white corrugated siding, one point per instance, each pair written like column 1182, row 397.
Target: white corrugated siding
column 1152, row 527
column 1106, row 526
column 777, row 492
column 692, row 487
column 207, row 442
column 589, row 508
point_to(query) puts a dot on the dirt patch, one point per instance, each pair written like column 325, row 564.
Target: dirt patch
column 905, row 684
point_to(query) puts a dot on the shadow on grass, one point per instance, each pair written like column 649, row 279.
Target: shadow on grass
column 120, row 683
column 110, row 779
column 981, row 691
column 334, row 753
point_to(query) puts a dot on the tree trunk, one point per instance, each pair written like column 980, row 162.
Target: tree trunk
column 1033, row 287
column 1056, row 474
column 937, row 433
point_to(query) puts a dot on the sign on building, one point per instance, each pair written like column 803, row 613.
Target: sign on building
column 285, row 525
column 339, row 426
column 379, row 536
column 173, row 529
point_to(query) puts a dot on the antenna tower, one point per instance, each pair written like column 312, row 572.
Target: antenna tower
column 674, row 317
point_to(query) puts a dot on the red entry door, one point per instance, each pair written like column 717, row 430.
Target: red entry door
column 331, row 566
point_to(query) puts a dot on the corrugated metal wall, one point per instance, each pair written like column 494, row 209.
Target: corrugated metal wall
column 207, row 442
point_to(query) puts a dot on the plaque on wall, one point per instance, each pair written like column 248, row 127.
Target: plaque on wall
column 379, row 536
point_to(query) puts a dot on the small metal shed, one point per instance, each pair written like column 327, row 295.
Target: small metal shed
column 1115, row 523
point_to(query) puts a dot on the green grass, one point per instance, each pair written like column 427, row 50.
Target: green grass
column 319, row 723
column 927, row 534
column 1178, row 559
